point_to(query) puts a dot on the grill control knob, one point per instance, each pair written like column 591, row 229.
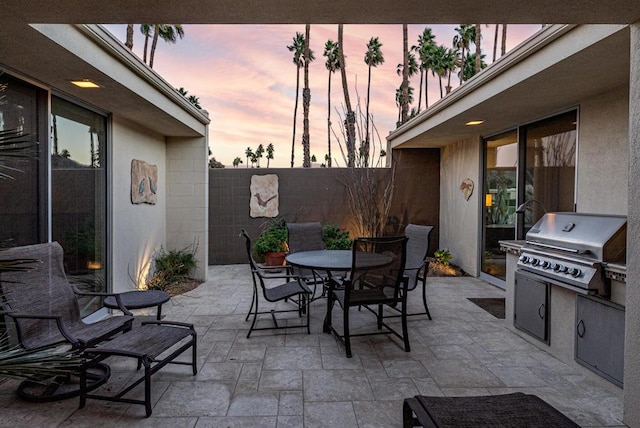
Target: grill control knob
column 545, row 265
column 523, row 259
column 554, row 266
column 574, row 272
column 534, row 261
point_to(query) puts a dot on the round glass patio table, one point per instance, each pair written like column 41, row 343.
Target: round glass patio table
column 335, row 261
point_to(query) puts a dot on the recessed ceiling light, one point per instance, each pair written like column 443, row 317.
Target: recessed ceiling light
column 85, row 83
column 474, row 122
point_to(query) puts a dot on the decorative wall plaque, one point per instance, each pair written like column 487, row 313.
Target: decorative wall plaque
column 144, row 182
column 264, row 200
column 466, row 187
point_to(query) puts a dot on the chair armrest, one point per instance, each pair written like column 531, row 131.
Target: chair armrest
column 171, row 323
column 63, row 331
column 116, row 296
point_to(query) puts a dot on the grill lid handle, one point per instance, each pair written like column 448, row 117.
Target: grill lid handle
column 557, row 247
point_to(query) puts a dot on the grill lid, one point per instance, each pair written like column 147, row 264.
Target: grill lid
column 595, row 236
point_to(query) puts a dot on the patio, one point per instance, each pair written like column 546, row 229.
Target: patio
column 290, row 379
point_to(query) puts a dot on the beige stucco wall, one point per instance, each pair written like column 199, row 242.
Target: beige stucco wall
column 459, row 227
column 603, row 156
column 188, row 198
column 137, row 230
column 632, row 320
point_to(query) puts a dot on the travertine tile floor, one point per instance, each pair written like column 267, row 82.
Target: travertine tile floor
column 287, row 378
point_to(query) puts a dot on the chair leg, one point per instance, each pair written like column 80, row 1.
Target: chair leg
column 424, row 298
column 326, row 328
column 405, row 330
column 379, row 316
column 253, row 300
column 255, row 317
column 307, row 303
column 347, row 337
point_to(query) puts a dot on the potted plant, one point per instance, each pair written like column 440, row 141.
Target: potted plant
column 271, row 246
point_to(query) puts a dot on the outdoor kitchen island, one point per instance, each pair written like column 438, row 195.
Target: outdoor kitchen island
column 571, row 306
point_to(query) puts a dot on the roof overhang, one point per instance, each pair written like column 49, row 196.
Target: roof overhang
column 52, row 55
column 552, row 71
column 324, row 11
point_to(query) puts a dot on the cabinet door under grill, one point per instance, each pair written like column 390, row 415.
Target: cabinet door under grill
column 600, row 337
column 531, row 306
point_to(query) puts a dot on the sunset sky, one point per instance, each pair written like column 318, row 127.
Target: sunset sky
column 245, row 78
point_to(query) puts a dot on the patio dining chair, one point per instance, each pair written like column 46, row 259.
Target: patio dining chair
column 417, row 265
column 307, row 237
column 45, row 310
column 372, row 284
column 293, row 289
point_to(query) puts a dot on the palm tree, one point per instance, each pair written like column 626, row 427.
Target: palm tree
column 462, row 41
column 411, row 70
column 373, row 58
column 259, row 152
column 298, row 57
column 306, row 98
column 351, row 117
column 147, row 30
column 424, row 48
column 129, row 42
column 249, row 154
column 503, row 48
column 332, row 64
column 470, row 68
column 439, row 65
column 167, row 32
column 270, row 150
column 237, row 161
column 478, row 41
column 400, row 101
column 405, row 74
column 449, row 63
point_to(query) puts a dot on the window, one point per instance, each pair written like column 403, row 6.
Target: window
column 78, row 193
column 22, row 167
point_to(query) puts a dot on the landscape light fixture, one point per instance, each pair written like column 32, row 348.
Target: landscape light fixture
column 85, row 83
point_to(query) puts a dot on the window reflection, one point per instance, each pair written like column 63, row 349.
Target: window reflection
column 78, row 189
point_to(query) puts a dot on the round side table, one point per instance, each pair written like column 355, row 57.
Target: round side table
column 139, row 299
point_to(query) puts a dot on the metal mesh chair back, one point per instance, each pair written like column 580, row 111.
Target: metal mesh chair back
column 41, row 290
column 417, row 245
column 377, row 269
column 304, row 237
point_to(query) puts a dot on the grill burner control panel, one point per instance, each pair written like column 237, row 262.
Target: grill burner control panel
column 569, row 273
column 550, row 265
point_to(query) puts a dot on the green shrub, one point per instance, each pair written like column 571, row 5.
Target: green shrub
column 443, row 256
column 172, row 266
column 272, row 239
column 335, row 238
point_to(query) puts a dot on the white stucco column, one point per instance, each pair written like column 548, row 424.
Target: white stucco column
column 632, row 335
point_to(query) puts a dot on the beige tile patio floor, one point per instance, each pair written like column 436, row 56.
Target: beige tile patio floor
column 278, row 379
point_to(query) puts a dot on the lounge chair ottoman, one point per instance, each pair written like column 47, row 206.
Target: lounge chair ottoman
column 497, row 411
column 144, row 343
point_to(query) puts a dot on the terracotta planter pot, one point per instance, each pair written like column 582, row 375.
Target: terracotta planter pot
column 274, row 258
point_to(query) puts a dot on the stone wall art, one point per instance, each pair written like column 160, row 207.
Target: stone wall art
column 466, row 187
column 144, row 182
column 264, row 196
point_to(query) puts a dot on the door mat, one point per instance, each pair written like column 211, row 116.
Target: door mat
column 495, row 306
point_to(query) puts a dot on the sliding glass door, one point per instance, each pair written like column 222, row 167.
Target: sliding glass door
column 527, row 171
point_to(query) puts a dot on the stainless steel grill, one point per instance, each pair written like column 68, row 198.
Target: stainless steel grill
column 569, row 249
